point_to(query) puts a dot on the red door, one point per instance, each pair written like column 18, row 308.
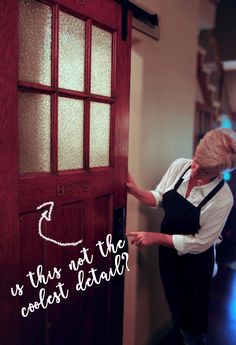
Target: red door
column 64, row 134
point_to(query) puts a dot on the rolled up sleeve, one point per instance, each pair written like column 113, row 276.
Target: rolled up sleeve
column 212, row 223
column 167, row 179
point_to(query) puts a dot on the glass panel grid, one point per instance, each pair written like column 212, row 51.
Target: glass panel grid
column 35, row 26
column 101, row 61
column 70, row 133
column 71, row 52
column 35, row 149
column 99, row 134
column 34, row 132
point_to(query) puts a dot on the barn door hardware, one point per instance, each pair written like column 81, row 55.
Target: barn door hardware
column 142, row 20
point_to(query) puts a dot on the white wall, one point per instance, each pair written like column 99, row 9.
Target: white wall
column 163, row 81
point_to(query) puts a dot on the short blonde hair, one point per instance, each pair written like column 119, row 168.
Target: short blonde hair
column 217, row 150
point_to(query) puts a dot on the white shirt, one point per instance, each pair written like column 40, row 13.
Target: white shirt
column 213, row 215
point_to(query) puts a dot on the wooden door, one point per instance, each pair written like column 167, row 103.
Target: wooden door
column 64, row 134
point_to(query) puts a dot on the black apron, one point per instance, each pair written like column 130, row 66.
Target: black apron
column 186, row 278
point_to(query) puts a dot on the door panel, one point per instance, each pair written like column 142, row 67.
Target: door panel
column 32, row 327
column 35, row 35
column 71, row 73
column 34, row 132
column 70, row 137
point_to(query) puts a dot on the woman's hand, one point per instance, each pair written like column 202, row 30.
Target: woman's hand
column 140, row 194
column 143, row 238
column 131, row 185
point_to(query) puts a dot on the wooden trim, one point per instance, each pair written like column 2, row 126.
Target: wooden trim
column 82, row 95
column 88, row 10
column 112, row 135
column 88, row 48
column 101, row 99
column 71, row 12
column 55, row 46
column 88, row 45
column 123, row 67
column 54, row 135
column 102, row 26
column 9, row 226
column 72, row 94
column 35, row 87
column 86, row 134
column 113, row 93
column 114, row 63
column 54, row 99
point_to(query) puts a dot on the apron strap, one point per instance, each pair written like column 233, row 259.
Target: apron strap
column 211, row 194
column 178, row 183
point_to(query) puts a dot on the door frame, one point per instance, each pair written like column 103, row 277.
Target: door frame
column 9, row 227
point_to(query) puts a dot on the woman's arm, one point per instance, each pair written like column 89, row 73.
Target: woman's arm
column 154, row 198
column 211, row 227
column 143, row 238
column 140, row 194
column 212, row 222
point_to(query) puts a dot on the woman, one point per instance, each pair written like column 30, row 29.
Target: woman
column 197, row 202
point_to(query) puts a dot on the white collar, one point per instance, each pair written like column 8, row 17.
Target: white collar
column 206, row 188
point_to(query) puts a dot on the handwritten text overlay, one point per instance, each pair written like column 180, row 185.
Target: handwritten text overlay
column 39, row 279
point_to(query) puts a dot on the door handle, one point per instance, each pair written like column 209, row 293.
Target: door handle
column 119, row 223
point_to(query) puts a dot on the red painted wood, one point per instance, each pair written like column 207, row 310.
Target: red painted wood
column 54, row 110
column 101, row 99
column 104, row 12
column 120, row 166
column 84, row 199
column 9, row 227
column 113, row 93
column 122, row 112
column 31, row 253
column 54, row 134
column 88, row 42
column 35, row 87
column 86, row 133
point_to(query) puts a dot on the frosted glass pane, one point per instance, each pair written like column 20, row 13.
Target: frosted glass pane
column 34, row 132
column 71, row 52
column 70, row 133
column 35, row 42
column 101, row 62
column 99, row 134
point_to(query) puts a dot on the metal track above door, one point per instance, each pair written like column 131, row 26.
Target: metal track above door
column 142, row 20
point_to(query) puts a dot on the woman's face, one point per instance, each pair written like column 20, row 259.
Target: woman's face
column 199, row 172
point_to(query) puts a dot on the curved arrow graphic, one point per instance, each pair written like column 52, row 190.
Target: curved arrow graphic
column 47, row 216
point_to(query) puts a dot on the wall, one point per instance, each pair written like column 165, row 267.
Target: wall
column 161, row 129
